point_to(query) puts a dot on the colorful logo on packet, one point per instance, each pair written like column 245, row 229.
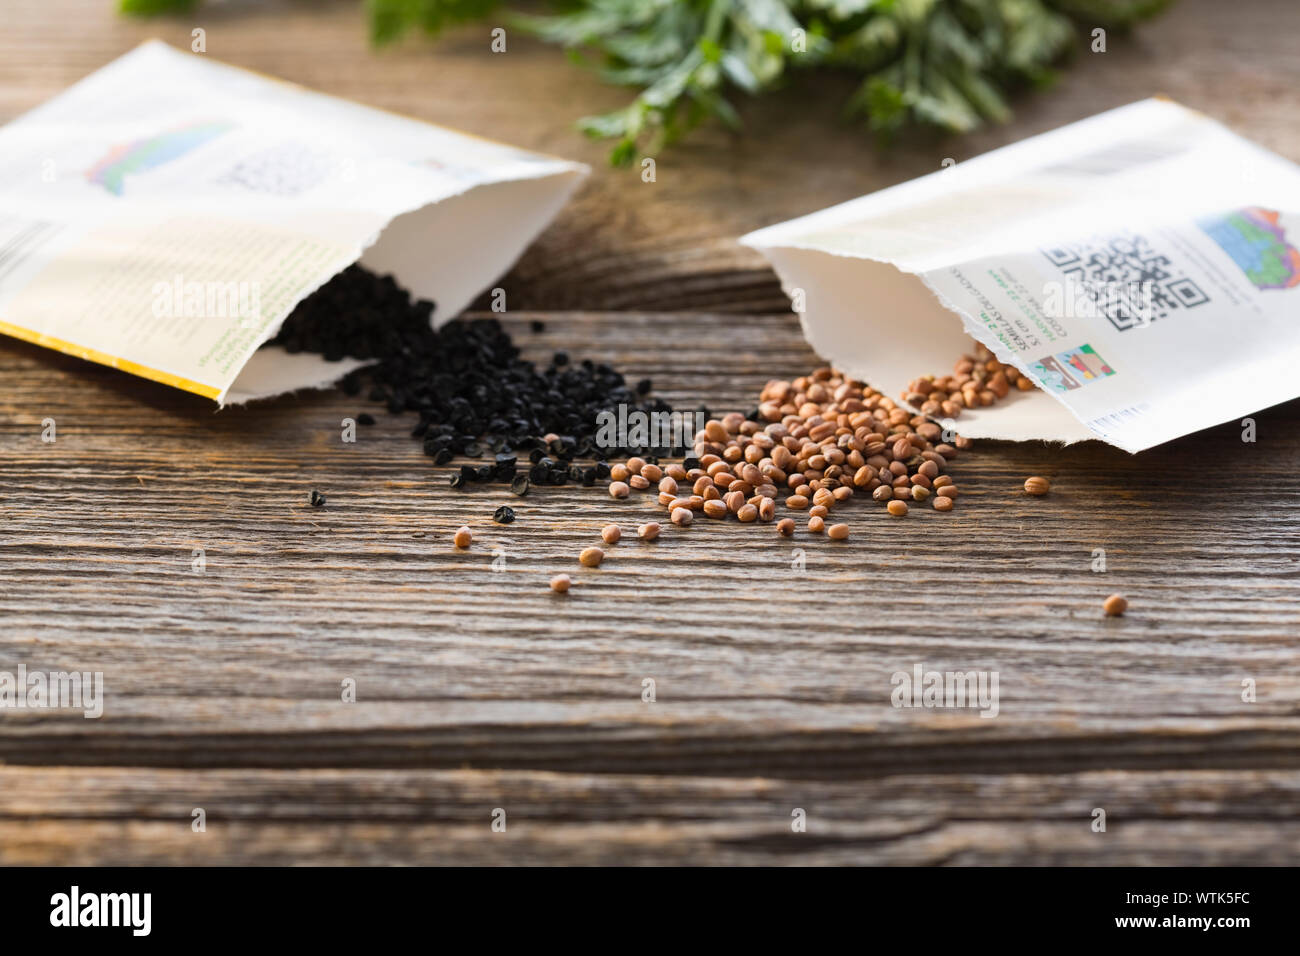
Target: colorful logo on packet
column 1073, row 369
column 146, row 154
column 1256, row 241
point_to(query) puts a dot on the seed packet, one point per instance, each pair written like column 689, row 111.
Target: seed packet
column 1142, row 267
column 165, row 214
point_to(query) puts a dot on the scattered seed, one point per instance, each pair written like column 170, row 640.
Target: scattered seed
column 920, row 493
column 462, row 537
column 943, row 503
column 796, row 502
column 648, row 531
column 747, row 513
column 317, row 499
column 785, row 527
column 591, row 557
column 838, row 532
column 897, row 508
column 682, row 516
column 1037, row 486
column 561, row 583
column 715, row 508
column 611, row 533
column 504, row 515
column 619, row 489
column 1115, row 605
column 520, row 485
column 816, row 524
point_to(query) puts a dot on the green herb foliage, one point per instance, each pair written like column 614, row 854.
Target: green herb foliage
column 944, row 63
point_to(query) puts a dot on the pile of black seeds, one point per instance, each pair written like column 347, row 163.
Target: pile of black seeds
column 475, row 397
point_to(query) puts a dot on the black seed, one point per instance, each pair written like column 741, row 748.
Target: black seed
column 443, row 456
column 365, row 418
column 538, row 326
column 457, row 480
column 317, row 499
column 466, row 380
column 520, row 485
column 504, row 515
column 690, row 462
column 643, row 387
column 601, row 470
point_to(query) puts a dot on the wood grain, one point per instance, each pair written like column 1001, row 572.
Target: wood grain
column 478, row 688
column 329, row 817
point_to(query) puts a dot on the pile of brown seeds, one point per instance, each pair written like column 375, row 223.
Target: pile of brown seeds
column 815, row 442
column 977, row 380
column 812, row 444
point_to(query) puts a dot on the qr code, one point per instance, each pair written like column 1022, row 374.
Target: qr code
column 1127, row 279
column 284, row 170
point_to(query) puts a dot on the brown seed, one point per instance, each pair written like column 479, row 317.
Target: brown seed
column 591, row 557
column 560, row 583
column 819, row 511
column 666, row 498
column 1115, row 605
column 634, row 465
column 648, row 531
column 942, row 503
column 747, row 513
column 902, row 450
column 716, row 431
column 680, row 503
column 682, row 516
column 668, row 485
column 676, row 472
column 639, row 482
column 1037, row 486
column 619, row 472
column 715, row 508
column 766, row 509
column 462, row 537
column 651, row 473
column 949, row 491
column 815, row 524
column 897, row 508
column 611, row 533
column 919, row 493
column 619, row 489
column 941, row 481
column 823, row 497
column 733, row 500
column 796, row 502
column 837, row 532
column 883, row 493
column 785, row 527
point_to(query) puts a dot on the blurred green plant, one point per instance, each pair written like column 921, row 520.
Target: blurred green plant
column 949, row 64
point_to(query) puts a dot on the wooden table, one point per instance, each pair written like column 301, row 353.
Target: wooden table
column 479, row 689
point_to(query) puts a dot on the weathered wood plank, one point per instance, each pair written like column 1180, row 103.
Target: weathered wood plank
column 98, row 815
column 758, row 668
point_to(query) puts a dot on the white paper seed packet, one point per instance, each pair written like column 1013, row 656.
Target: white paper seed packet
column 1141, row 266
column 165, row 214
